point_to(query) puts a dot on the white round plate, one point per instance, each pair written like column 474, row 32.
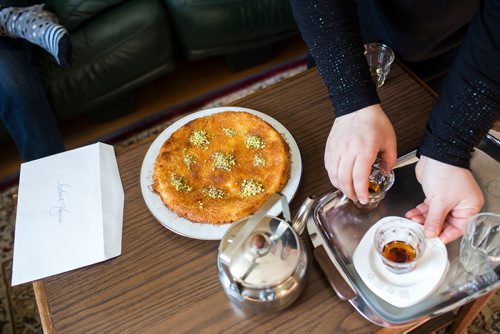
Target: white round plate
column 185, row 227
column 406, row 289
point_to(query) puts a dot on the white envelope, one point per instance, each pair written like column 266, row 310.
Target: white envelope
column 69, row 212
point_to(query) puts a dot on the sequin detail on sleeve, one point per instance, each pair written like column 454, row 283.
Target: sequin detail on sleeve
column 470, row 99
column 332, row 33
column 452, row 134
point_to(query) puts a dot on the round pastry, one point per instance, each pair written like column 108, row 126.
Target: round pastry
column 221, row 168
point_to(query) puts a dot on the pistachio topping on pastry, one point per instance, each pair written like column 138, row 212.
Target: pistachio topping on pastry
column 213, row 192
column 251, row 188
column 188, row 160
column 259, row 161
column 199, row 138
column 179, row 183
column 224, row 161
column 253, row 142
column 229, row 132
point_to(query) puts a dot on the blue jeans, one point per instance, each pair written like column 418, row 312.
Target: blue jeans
column 24, row 107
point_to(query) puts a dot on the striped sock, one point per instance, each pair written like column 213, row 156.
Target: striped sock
column 39, row 27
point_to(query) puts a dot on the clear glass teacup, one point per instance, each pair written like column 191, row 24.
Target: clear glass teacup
column 480, row 245
column 379, row 57
column 400, row 244
column 380, row 181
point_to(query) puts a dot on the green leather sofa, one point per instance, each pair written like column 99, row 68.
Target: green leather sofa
column 120, row 45
column 242, row 30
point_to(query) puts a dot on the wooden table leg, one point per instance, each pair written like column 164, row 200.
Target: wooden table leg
column 43, row 308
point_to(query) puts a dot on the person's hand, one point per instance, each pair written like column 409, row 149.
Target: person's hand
column 452, row 196
column 354, row 142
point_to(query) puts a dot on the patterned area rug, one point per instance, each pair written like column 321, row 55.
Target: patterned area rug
column 18, row 310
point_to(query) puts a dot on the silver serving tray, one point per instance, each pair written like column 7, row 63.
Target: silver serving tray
column 335, row 235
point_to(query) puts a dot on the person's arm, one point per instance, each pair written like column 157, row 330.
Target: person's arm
column 470, row 99
column 361, row 129
column 332, row 33
column 467, row 107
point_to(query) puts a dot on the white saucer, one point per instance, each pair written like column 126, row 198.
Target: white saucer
column 406, row 289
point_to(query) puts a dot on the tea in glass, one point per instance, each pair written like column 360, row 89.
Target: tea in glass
column 380, row 181
column 399, row 251
column 400, row 243
column 374, row 187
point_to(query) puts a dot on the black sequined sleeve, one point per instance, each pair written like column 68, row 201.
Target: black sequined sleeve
column 332, row 33
column 470, row 99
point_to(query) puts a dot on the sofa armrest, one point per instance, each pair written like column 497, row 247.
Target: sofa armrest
column 72, row 13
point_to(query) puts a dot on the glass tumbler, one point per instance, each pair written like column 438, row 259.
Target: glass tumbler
column 380, row 181
column 380, row 58
column 480, row 246
column 400, row 243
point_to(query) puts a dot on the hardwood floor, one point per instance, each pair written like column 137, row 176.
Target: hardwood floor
column 189, row 80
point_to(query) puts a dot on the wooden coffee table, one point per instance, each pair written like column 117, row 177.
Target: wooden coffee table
column 164, row 282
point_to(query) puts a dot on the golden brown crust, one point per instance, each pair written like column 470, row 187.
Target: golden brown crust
column 190, row 199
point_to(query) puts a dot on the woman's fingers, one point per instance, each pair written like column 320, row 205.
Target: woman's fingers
column 345, row 176
column 360, row 174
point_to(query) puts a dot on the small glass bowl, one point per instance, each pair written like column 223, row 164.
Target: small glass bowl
column 380, row 181
column 400, row 243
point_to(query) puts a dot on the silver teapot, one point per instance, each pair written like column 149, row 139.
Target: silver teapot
column 262, row 261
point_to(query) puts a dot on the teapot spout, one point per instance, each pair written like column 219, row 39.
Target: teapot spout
column 300, row 220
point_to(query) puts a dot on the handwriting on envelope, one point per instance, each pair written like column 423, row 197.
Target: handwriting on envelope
column 59, row 210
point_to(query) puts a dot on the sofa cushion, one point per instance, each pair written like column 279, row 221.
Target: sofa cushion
column 72, row 13
column 213, row 27
column 114, row 53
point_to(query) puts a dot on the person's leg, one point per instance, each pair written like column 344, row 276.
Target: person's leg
column 38, row 26
column 24, row 107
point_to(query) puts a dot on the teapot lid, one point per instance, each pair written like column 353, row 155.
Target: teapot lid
column 261, row 251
